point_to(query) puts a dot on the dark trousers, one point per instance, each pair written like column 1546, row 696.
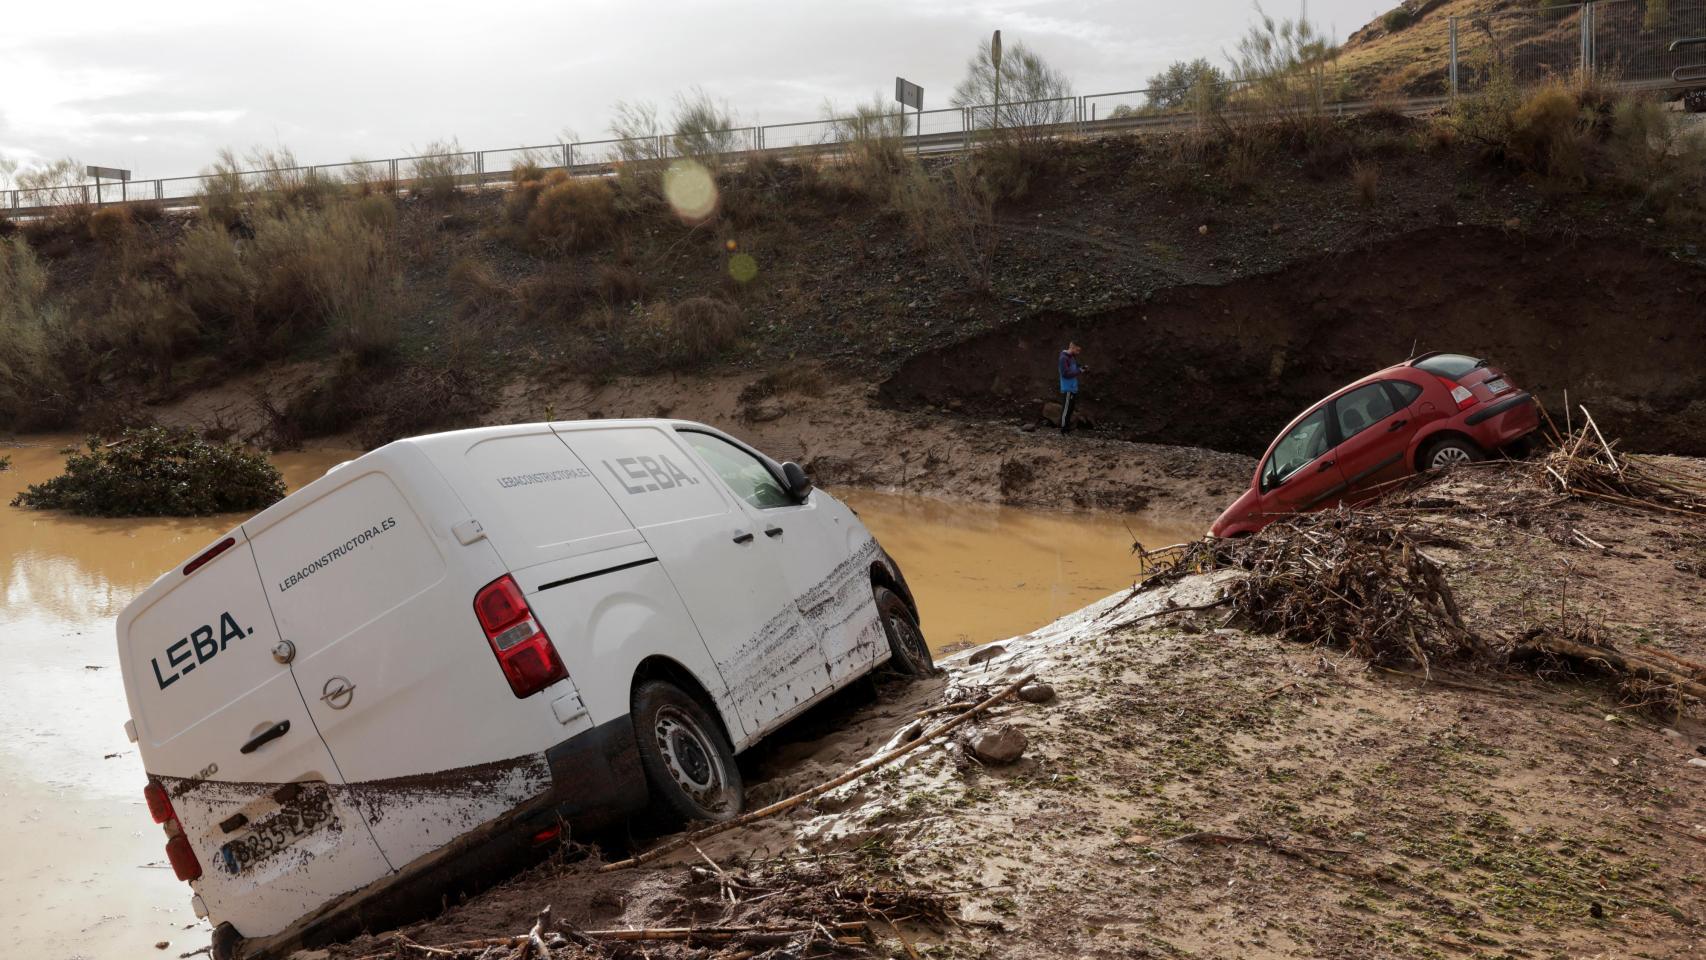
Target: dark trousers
column 1067, row 409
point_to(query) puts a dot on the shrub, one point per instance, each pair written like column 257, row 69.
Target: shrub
column 1547, row 136
column 1195, row 85
column 111, row 225
column 619, row 284
column 872, row 152
column 572, row 215
column 158, row 472
column 1397, row 19
column 329, row 267
column 554, row 296
column 705, row 128
column 224, row 197
column 474, row 284
column 1287, row 65
column 214, row 282
column 59, row 185
column 436, row 173
column 149, row 323
column 1658, row 159
column 365, row 179
column 32, row 387
column 953, row 217
column 697, row 329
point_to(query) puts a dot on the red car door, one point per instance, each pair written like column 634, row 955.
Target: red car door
column 1374, row 433
column 1301, row 472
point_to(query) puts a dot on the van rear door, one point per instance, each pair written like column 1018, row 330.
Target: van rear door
column 221, row 725
column 366, row 579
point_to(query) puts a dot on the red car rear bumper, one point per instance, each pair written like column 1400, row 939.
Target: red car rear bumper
column 1503, row 422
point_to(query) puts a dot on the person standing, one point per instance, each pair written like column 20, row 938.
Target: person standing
column 1070, row 369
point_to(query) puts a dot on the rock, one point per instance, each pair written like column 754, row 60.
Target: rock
column 1672, row 734
column 162, row 944
column 996, row 745
column 1052, row 411
column 1697, row 761
column 765, row 411
column 987, row 653
column 1203, row 230
column 1029, row 428
column 1036, row 693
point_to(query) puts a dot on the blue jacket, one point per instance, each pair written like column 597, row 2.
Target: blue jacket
column 1069, row 371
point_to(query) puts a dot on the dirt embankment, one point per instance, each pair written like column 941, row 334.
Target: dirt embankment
column 1197, row 789
column 1614, row 325
column 834, row 428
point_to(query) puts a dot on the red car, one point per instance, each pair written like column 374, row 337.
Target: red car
column 1434, row 411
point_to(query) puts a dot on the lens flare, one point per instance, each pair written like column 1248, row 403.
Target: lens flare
column 742, row 267
column 690, row 190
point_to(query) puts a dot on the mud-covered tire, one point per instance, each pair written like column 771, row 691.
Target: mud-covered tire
column 688, row 762
column 1450, row 452
column 911, row 654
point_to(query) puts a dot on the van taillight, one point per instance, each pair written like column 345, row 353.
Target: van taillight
column 209, row 554
column 178, row 849
column 529, row 661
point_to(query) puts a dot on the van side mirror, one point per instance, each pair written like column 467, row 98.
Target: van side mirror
column 799, row 485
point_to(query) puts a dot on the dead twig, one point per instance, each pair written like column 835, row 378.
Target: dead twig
column 822, row 788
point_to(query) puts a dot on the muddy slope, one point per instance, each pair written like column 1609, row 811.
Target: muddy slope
column 1617, row 326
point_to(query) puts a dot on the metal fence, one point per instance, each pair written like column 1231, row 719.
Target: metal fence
column 1628, row 41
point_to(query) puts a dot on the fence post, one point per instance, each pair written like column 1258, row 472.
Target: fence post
column 159, row 189
column 1589, row 34
column 1453, row 46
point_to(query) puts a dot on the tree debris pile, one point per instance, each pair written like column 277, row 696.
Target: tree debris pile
column 777, row 908
column 1345, row 578
column 1584, row 464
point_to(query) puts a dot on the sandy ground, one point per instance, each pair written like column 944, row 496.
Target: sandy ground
column 1197, row 790
column 838, row 431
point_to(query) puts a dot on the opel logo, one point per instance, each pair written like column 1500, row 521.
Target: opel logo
column 337, row 693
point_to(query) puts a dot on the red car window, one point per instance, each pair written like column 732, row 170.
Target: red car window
column 1303, row 443
column 1362, row 408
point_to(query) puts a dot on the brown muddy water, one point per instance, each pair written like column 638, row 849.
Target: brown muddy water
column 84, row 874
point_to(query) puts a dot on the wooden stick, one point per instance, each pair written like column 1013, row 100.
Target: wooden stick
column 819, row 790
column 1603, row 445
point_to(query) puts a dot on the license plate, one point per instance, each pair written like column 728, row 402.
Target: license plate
column 306, row 813
column 1498, row 385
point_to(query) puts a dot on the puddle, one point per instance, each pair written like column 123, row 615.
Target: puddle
column 982, row 572
column 84, row 872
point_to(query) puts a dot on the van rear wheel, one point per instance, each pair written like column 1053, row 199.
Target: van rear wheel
column 906, row 641
column 688, row 761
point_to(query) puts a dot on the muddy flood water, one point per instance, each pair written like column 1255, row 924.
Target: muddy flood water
column 82, row 867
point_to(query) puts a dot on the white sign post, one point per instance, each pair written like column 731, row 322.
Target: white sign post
column 909, row 94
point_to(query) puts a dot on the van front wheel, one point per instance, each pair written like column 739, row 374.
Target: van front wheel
column 906, row 641
column 688, row 761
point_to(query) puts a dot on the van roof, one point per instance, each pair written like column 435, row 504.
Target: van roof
column 398, row 453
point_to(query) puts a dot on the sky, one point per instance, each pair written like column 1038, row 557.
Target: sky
column 159, row 88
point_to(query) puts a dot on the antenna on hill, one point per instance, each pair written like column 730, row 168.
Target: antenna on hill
column 1413, row 344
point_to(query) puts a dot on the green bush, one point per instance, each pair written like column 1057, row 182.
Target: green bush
column 1397, row 19
column 155, row 472
column 32, row 385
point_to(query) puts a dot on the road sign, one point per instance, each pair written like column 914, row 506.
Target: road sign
column 107, row 173
column 995, row 51
column 908, row 94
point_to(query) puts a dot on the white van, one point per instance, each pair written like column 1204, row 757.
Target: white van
column 452, row 645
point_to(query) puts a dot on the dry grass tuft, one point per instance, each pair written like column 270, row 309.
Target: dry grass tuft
column 699, row 328
column 1365, row 178
column 112, row 225
column 571, row 215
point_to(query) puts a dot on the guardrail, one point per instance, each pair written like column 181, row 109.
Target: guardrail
column 944, row 131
